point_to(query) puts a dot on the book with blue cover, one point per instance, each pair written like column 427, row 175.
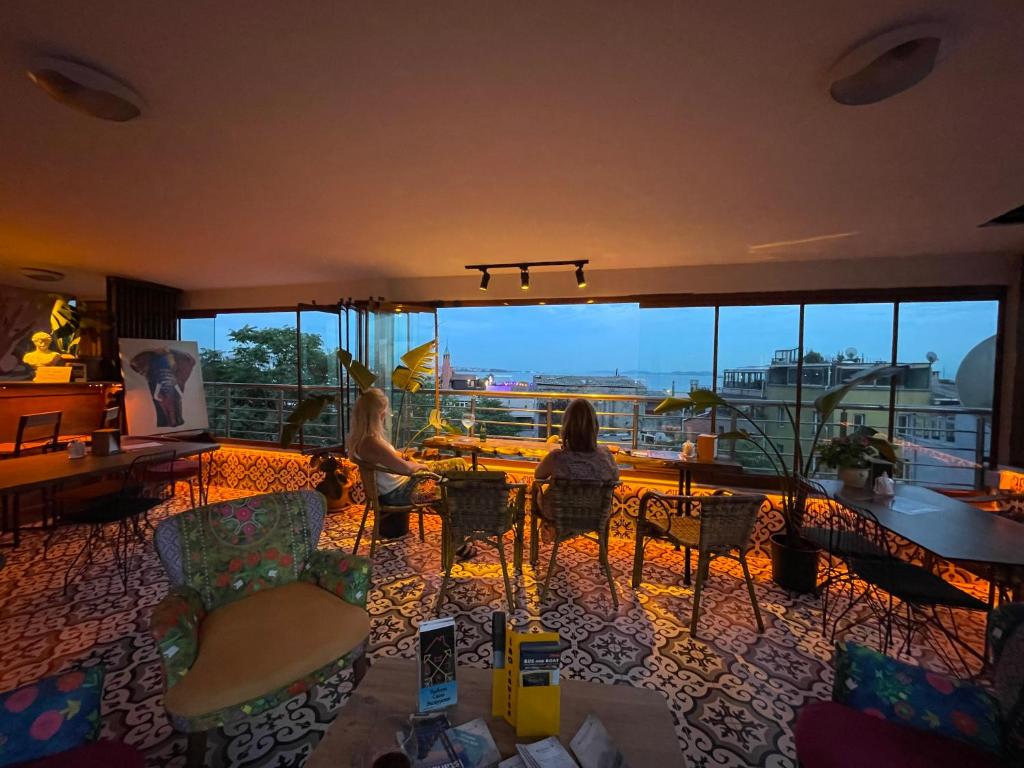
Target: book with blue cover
column 437, row 655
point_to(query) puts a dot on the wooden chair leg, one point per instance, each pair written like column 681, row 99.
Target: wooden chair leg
column 703, row 562
column 195, row 754
column 753, row 595
column 422, row 537
column 449, row 560
column 361, row 666
column 362, row 527
column 551, row 569
column 376, row 532
column 638, row 559
column 608, row 569
column 534, row 540
column 687, row 580
column 504, row 573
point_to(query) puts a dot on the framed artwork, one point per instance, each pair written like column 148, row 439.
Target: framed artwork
column 163, row 386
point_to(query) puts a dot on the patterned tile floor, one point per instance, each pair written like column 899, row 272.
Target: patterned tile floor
column 734, row 694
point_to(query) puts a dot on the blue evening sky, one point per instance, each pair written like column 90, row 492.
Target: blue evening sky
column 598, row 338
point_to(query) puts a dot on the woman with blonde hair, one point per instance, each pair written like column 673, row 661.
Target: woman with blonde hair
column 367, row 442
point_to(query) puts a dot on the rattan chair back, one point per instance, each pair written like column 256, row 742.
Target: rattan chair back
column 478, row 502
column 578, row 506
column 727, row 522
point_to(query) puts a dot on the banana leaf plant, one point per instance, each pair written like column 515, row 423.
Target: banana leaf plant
column 65, row 326
column 793, row 500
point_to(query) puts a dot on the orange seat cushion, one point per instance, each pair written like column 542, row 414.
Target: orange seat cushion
column 265, row 642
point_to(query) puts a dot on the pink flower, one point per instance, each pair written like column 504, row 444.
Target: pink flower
column 21, row 699
column 46, row 725
column 70, row 681
column 243, row 513
column 249, row 529
column 941, row 684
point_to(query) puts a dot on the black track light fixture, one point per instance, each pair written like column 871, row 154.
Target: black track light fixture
column 524, row 271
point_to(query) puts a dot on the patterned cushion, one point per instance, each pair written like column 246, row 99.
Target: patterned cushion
column 888, row 689
column 53, row 715
column 1006, row 636
column 229, row 550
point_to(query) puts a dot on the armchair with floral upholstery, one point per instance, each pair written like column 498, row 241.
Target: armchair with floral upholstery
column 256, row 613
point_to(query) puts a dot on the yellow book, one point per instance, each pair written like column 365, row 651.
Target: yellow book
column 536, row 694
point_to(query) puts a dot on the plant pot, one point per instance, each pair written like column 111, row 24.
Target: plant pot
column 336, row 505
column 794, row 566
column 394, row 525
column 854, row 477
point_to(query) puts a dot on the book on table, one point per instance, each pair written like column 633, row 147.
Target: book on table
column 437, row 655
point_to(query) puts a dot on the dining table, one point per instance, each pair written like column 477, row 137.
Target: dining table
column 501, row 447
column 48, row 470
column 944, row 526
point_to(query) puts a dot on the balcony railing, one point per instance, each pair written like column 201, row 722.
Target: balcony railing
column 943, row 446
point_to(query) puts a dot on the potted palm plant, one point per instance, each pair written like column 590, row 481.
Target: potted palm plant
column 794, row 559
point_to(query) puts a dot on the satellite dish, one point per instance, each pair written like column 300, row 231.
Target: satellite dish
column 931, row 357
column 85, row 89
column 976, row 374
column 851, row 353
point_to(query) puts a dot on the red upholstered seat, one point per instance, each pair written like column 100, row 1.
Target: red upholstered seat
column 95, row 754
column 830, row 735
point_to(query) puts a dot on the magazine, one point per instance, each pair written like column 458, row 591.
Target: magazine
column 419, row 736
column 475, row 745
column 547, row 753
column 594, row 748
column 437, row 653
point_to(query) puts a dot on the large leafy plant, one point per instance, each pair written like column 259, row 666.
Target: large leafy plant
column 793, row 498
column 415, row 368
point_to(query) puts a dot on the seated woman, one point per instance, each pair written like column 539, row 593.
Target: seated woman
column 368, row 443
column 580, row 457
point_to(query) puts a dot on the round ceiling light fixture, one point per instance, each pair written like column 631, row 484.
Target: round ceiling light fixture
column 42, row 275
column 889, row 63
column 85, row 89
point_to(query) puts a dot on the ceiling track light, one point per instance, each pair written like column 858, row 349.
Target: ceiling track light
column 581, row 280
column 524, row 271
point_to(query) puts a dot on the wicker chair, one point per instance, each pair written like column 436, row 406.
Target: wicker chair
column 574, row 508
column 723, row 529
column 367, row 472
column 481, row 506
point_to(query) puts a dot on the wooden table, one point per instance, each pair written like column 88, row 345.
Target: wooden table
column 951, row 529
column 637, row 719
column 497, row 446
column 45, row 470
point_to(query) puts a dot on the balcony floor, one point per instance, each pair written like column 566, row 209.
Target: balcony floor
column 734, row 694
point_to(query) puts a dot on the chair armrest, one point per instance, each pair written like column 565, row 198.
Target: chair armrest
column 344, row 575
column 175, row 627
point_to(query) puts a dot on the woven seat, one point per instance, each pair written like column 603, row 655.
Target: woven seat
column 368, row 475
column 573, row 508
column 723, row 529
column 483, row 507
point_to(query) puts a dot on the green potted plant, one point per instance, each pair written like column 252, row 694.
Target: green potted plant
column 849, row 455
column 794, row 559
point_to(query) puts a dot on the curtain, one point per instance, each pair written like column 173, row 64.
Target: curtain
column 143, row 310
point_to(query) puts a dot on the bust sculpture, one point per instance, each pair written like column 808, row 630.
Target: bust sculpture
column 43, row 355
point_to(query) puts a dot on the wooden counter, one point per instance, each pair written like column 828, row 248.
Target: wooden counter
column 81, row 402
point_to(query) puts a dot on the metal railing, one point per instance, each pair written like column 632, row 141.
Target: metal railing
column 940, row 445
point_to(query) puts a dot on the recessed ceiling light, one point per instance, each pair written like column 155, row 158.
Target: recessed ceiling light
column 40, row 274
column 85, row 89
column 889, row 63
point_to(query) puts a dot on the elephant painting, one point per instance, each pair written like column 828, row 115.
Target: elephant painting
column 166, row 370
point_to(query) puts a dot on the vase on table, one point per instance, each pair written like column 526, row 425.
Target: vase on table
column 854, row 477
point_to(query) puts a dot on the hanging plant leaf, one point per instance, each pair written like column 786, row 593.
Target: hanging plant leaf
column 437, row 421
column 307, row 410
column 361, row 375
column 671, row 404
column 830, row 399
column 404, row 379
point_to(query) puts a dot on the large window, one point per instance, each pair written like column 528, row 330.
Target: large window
column 511, row 369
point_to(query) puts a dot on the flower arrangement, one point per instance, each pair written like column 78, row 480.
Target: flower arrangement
column 853, row 451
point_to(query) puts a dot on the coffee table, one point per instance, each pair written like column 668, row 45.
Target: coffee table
column 637, row 719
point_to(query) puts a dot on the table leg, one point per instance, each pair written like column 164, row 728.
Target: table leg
column 684, row 490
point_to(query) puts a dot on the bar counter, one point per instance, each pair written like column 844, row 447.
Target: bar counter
column 82, row 404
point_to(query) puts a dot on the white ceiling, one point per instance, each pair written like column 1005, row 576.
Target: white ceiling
column 294, row 142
